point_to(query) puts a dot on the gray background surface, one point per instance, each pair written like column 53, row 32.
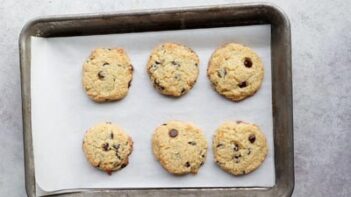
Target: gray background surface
column 321, row 43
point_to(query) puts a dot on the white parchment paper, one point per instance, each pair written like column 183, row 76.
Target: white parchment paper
column 62, row 112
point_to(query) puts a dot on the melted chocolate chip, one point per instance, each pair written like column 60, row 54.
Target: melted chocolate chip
column 252, row 138
column 187, row 164
column 192, row 143
column 247, row 62
column 101, row 75
column 242, row 84
column 219, row 145
column 173, row 133
column 105, row 146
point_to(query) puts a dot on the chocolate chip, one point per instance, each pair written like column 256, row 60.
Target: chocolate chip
column 174, row 63
column 164, row 124
column 196, row 64
column 117, row 155
column 236, row 147
column 187, row 164
column 202, row 163
column 157, row 62
column 219, row 145
column 244, row 172
column 252, row 138
column 157, row 85
column 242, row 84
column 249, row 152
column 105, row 146
column 183, row 90
column 222, row 73
column 129, row 83
column 111, row 135
column 177, row 76
column 203, row 156
column 131, row 67
column 106, row 64
column 192, row 143
column 116, row 146
column 247, row 62
column 124, row 165
column 101, row 75
column 236, row 156
column 98, row 164
column 173, row 133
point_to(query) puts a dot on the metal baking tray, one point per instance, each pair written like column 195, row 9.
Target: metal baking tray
column 177, row 19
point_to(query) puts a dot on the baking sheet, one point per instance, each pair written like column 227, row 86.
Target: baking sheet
column 62, row 112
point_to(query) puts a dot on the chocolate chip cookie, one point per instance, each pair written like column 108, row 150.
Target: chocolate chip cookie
column 107, row 147
column 239, row 148
column 235, row 71
column 173, row 69
column 180, row 147
column 107, row 74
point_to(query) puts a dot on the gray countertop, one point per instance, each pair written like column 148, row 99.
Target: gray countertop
column 321, row 45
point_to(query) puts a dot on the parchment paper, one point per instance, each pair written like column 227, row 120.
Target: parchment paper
column 62, row 112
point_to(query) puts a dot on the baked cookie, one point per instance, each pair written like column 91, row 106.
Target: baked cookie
column 107, row 74
column 173, row 69
column 235, row 71
column 239, row 148
column 180, row 147
column 107, row 147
